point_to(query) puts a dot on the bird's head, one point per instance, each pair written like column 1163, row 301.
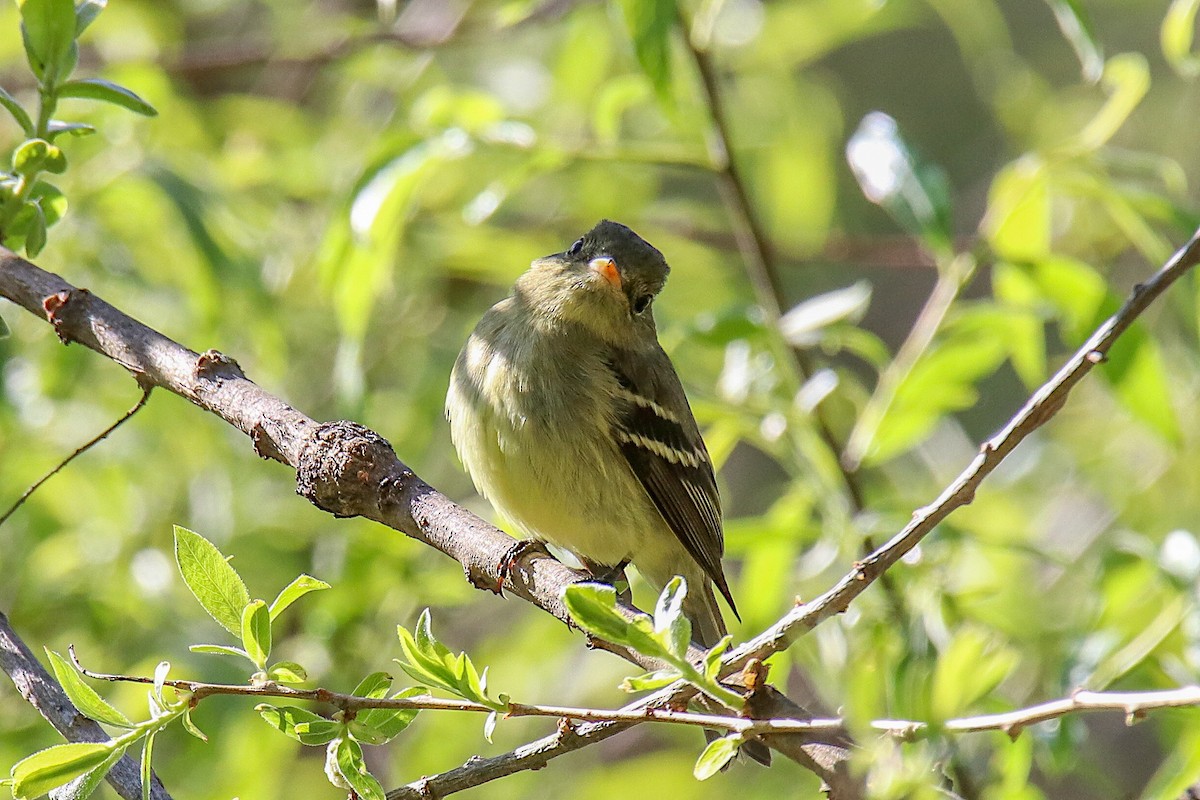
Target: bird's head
column 606, row 281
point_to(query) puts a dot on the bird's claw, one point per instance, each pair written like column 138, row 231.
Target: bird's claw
column 508, row 562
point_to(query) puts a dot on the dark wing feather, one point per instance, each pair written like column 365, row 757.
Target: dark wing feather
column 658, row 436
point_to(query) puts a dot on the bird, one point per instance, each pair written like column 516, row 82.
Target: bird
column 571, row 420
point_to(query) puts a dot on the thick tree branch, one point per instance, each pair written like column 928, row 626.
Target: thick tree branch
column 43, row 693
column 829, row 760
column 343, row 468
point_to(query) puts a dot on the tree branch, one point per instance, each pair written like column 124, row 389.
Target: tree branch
column 343, row 468
column 42, row 692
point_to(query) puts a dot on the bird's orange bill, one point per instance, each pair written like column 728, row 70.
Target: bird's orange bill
column 606, row 268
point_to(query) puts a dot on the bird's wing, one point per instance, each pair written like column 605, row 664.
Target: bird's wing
column 655, row 430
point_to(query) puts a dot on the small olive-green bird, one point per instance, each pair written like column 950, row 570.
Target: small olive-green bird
column 572, row 422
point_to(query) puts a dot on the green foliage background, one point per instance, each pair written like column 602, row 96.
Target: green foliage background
column 334, row 199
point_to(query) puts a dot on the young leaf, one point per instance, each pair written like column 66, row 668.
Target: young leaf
column 160, row 682
column 716, row 755
column 489, row 725
column 389, row 722
column 351, row 766
column 594, row 607
column 86, row 13
column 76, row 129
column 256, row 632
column 83, row 696
column 649, row 23
column 30, row 155
column 302, row 725
column 106, row 92
column 294, row 591
column 651, row 681
column 18, row 113
column 214, row 583
column 219, row 649
column 375, row 685
column 86, row 784
column 190, row 726
column 915, row 193
column 673, row 628
column 1075, row 25
column 1177, row 35
column 147, row 765
column 48, row 30
column 287, row 672
column 430, row 661
column 46, row 769
column 51, row 200
column 35, row 236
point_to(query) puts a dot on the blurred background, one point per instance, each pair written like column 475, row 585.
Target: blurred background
column 334, row 192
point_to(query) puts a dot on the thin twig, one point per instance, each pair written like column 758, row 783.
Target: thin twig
column 753, row 242
column 78, row 452
column 1134, row 705
column 951, row 279
column 42, row 692
column 1037, row 411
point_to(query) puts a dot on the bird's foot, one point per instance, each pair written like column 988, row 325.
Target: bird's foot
column 508, row 562
column 614, row 576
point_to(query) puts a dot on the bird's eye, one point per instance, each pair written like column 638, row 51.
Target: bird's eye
column 576, row 248
column 642, row 303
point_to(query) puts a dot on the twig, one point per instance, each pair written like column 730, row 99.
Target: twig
column 752, row 242
column 42, row 692
column 78, row 452
column 1134, row 705
column 950, row 282
column 342, row 468
column 1038, row 410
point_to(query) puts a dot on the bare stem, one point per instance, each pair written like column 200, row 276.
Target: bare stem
column 78, row 452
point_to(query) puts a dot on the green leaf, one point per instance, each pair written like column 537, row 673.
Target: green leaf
column 673, row 628
column 48, row 31
column 294, row 591
column 1177, row 36
column 389, row 722
column 1126, row 81
column 18, row 113
column 148, row 765
column 30, row 155
column 86, row 13
column 1076, row 26
column 970, row 667
column 83, row 696
column 802, row 326
column 256, row 632
column 287, row 672
column 649, row 23
column 35, row 236
column 716, row 755
column 4, row 330
column 1144, row 385
column 51, row 200
column 1018, row 219
column 316, row 729
column 220, row 650
column 46, row 769
column 594, row 607
column 214, row 583
column 106, row 92
column 375, row 685
column 429, row 661
column 351, row 766
column 651, row 681
column 76, row 129
column 190, row 726
column 86, row 785
column 915, row 193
